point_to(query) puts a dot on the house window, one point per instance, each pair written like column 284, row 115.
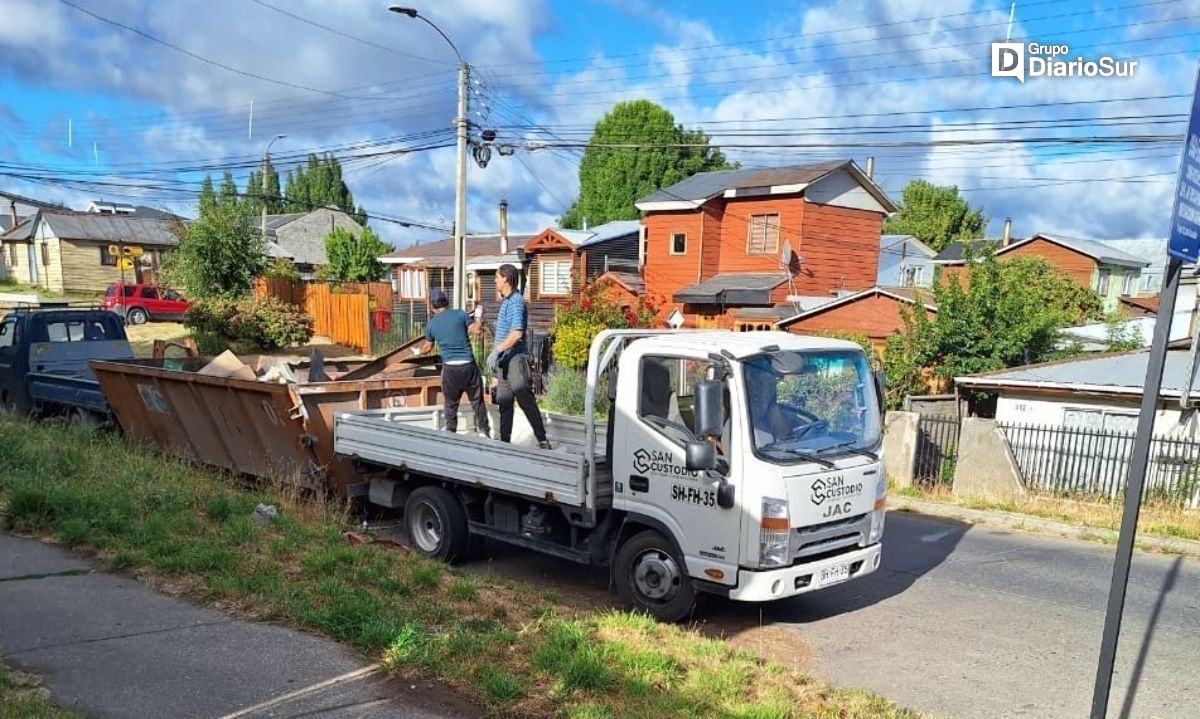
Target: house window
column 555, row 277
column 645, row 237
column 763, row 238
column 679, row 243
column 1127, row 285
column 914, row 276
column 45, row 255
column 107, row 259
column 759, row 326
column 13, row 257
column 1102, row 287
column 412, row 284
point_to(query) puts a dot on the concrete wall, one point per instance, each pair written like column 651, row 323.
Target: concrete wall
column 900, row 446
column 986, row 469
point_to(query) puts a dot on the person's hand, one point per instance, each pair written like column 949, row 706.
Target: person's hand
column 493, row 360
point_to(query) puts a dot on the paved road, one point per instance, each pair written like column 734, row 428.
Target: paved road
column 967, row 622
column 978, row 623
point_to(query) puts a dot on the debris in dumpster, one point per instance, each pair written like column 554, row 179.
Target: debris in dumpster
column 316, row 366
column 273, row 369
column 265, row 513
column 227, row 365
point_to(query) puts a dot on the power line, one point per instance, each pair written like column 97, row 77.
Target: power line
column 348, row 36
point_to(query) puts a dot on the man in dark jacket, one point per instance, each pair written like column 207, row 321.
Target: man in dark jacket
column 448, row 328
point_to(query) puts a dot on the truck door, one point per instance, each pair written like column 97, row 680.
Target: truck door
column 649, row 473
column 12, row 373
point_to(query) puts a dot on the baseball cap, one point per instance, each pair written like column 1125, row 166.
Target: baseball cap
column 438, row 298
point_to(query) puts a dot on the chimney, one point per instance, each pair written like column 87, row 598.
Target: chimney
column 585, row 224
column 503, row 227
column 1007, row 232
column 12, row 209
column 871, row 167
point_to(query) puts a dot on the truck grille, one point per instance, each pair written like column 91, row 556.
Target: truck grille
column 831, row 538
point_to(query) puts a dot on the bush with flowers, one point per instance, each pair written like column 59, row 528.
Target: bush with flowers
column 594, row 310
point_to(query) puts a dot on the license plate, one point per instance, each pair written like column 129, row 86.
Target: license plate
column 833, row 575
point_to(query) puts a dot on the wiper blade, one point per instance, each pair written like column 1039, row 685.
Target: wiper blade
column 806, row 456
column 853, row 450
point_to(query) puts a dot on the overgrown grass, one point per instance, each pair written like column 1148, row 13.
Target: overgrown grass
column 514, row 648
column 22, row 698
column 1156, row 519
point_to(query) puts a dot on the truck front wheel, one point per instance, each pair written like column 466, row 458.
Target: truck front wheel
column 436, row 523
column 650, row 577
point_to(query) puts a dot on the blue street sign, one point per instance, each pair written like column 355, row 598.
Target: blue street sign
column 1184, row 242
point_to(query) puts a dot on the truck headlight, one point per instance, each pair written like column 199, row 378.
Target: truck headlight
column 877, row 519
column 774, row 540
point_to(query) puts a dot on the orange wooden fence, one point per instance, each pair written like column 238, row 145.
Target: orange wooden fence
column 340, row 311
column 343, row 318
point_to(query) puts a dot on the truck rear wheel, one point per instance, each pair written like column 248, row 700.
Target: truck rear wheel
column 650, row 577
column 436, row 524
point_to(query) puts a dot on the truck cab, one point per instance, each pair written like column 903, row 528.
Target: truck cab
column 758, row 453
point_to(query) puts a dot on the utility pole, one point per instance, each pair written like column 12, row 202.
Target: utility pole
column 460, row 190
column 266, row 164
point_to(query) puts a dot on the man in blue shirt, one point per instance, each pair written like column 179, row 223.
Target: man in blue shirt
column 509, row 361
column 448, row 328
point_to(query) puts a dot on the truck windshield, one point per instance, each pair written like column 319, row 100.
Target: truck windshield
column 808, row 406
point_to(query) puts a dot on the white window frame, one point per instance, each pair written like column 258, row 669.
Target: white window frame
column 1102, row 284
column 766, row 244
column 412, row 283
column 1127, row 284
column 671, row 247
column 554, row 277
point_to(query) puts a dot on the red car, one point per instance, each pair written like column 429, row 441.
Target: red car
column 145, row 303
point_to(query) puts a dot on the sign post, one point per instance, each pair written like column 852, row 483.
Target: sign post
column 1183, row 246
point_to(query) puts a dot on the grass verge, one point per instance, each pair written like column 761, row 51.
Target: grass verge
column 1155, row 519
column 21, row 697
column 511, row 647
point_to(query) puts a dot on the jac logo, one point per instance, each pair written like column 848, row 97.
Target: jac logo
column 835, row 487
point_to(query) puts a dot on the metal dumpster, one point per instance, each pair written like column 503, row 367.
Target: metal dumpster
column 281, row 432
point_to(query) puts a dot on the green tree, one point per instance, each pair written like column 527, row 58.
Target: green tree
column 611, row 179
column 228, row 191
column 254, row 192
column 354, row 259
column 935, row 215
column 219, row 254
column 1009, row 313
column 208, row 195
column 319, row 183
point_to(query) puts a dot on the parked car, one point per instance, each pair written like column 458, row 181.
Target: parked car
column 145, row 303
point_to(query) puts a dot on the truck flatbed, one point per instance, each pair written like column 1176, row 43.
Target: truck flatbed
column 413, row 439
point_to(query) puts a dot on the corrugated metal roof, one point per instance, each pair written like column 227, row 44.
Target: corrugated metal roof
column 631, row 281
column 1119, row 372
column 891, row 241
column 111, row 228
column 611, row 231
column 953, row 252
column 1099, row 251
column 738, row 281
column 704, row 185
column 20, row 233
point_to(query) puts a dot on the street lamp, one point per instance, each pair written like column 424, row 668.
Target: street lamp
column 266, row 163
column 460, row 185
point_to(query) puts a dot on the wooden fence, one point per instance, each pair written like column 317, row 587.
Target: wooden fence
column 340, row 311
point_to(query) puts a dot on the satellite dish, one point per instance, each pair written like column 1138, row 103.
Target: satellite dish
column 675, row 319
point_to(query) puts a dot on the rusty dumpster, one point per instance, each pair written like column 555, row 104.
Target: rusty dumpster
column 281, row 432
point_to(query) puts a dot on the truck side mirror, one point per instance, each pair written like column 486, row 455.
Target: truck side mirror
column 709, row 408
column 700, row 456
column 879, row 389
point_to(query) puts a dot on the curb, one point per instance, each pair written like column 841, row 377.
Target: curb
column 1037, row 525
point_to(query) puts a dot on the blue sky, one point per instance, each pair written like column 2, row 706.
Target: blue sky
column 774, row 82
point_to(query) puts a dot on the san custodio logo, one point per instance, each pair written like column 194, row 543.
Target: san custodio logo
column 1026, row 60
column 647, row 461
column 835, row 487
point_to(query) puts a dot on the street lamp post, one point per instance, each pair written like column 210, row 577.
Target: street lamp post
column 266, row 163
column 460, row 184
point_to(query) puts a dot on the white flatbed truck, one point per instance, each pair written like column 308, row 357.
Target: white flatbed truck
column 742, row 464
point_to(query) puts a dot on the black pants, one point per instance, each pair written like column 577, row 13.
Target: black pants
column 459, row 378
column 514, row 383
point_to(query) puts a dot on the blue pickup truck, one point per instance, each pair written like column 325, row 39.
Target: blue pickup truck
column 44, row 357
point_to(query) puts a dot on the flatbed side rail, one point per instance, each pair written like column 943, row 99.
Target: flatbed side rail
column 392, row 438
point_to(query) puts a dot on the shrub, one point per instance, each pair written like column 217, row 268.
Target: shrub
column 280, row 268
column 565, row 390
column 249, row 323
column 577, row 324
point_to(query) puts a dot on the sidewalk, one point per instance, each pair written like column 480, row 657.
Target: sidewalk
column 109, row 646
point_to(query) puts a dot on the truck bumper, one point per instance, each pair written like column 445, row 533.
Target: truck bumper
column 762, row 586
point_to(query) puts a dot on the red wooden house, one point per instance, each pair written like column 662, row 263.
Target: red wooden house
column 730, row 248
